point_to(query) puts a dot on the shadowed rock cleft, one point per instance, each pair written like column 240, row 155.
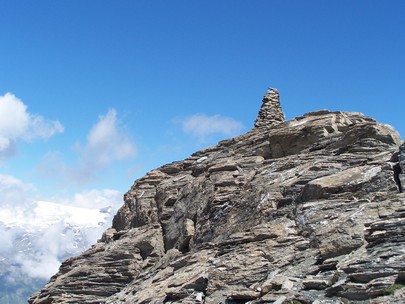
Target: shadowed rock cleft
column 400, row 168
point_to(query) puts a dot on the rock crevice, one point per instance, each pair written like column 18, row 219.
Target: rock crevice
column 400, row 170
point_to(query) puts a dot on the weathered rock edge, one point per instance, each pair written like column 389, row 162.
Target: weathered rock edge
column 307, row 210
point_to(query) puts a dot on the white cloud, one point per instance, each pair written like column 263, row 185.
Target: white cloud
column 18, row 124
column 43, row 266
column 201, row 125
column 42, row 128
column 14, row 116
column 14, row 191
column 107, row 142
column 98, row 198
column 6, row 239
column 52, row 166
column 110, row 140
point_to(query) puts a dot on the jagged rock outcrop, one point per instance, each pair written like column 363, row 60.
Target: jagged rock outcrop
column 301, row 211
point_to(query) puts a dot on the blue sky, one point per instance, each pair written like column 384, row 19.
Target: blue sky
column 104, row 91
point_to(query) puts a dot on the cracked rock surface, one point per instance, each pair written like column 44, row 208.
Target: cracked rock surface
column 307, row 210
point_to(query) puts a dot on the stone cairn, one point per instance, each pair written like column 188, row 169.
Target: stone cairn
column 270, row 112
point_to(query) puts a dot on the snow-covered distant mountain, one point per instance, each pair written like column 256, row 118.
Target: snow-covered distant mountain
column 35, row 239
column 45, row 214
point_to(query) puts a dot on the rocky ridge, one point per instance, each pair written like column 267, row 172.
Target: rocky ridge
column 309, row 210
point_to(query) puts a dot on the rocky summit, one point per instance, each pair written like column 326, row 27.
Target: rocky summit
column 309, row 210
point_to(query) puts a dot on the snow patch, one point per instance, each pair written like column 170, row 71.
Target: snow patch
column 298, row 123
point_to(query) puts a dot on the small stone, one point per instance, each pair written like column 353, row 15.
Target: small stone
column 281, row 300
column 199, row 297
column 316, row 284
column 287, row 284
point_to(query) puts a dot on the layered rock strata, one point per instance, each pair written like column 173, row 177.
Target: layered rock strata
column 299, row 211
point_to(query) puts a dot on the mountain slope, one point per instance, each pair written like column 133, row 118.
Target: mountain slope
column 304, row 210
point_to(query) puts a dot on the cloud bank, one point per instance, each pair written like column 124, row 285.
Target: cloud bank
column 36, row 235
column 18, row 124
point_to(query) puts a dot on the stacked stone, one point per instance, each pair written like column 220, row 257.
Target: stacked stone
column 270, row 112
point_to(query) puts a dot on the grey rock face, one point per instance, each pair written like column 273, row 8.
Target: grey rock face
column 307, row 210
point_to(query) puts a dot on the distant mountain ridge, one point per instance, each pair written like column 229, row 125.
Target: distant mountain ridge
column 39, row 240
column 309, row 210
column 46, row 214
